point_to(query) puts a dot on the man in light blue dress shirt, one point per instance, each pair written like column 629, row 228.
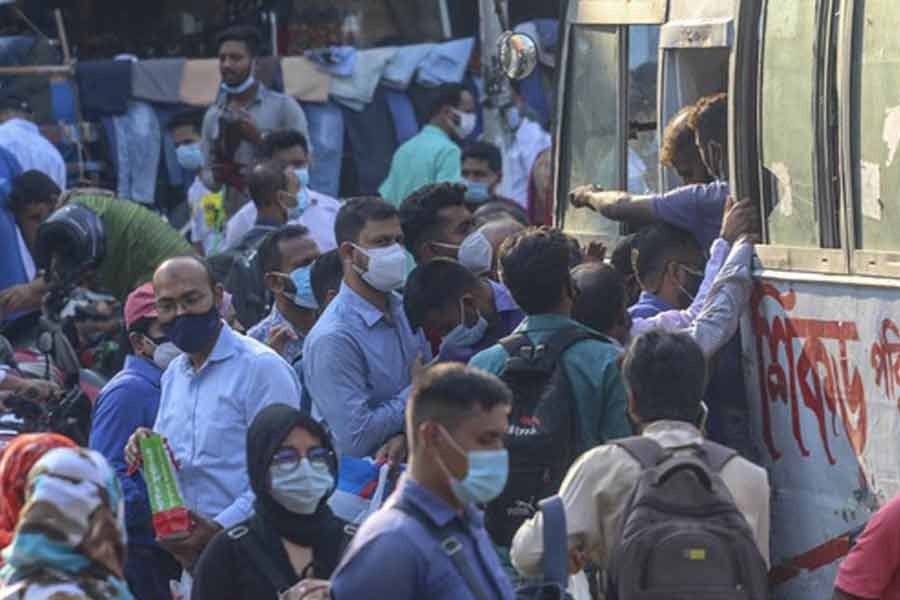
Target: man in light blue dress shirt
column 210, row 395
column 360, row 358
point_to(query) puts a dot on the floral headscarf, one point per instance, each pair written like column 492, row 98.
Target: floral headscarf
column 16, row 461
column 72, row 529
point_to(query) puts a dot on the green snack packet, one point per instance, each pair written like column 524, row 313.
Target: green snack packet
column 170, row 517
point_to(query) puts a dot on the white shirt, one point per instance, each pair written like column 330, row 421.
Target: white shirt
column 597, row 487
column 318, row 218
column 518, row 159
column 33, row 151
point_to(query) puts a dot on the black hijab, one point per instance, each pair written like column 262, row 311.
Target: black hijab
column 264, row 438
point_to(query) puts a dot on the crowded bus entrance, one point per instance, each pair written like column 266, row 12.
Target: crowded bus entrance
column 813, row 131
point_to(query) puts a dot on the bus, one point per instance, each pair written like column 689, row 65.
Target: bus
column 814, row 133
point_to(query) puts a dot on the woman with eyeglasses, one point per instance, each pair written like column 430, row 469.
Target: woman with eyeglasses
column 290, row 546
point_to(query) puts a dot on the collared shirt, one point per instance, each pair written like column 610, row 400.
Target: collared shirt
column 130, row 400
column 597, row 487
column 394, row 556
column 529, row 141
column 356, row 365
column 205, row 414
column 648, row 305
column 429, row 157
column 33, row 151
column 319, row 218
column 270, row 111
column 508, row 317
column 592, row 368
column 293, row 350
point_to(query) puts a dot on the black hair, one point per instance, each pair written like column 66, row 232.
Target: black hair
column 666, row 374
column 270, row 250
column 356, row 212
column 419, row 212
column 187, row 118
column 247, row 35
column 265, row 180
column 487, row 152
column 32, row 187
column 576, row 254
column 494, row 210
column 435, row 285
column 448, row 94
column 326, row 274
column 657, row 246
column 449, row 392
column 621, row 255
column 283, row 139
column 709, row 120
column 601, row 296
column 534, row 265
column 11, row 102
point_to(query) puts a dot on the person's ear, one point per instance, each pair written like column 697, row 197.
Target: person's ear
column 137, row 342
column 330, row 295
column 346, row 251
column 218, row 295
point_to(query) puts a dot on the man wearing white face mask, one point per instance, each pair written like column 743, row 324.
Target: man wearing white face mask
column 361, row 357
column 456, row 422
column 432, row 155
column 131, row 400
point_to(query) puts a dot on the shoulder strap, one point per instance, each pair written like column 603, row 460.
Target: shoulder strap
column 716, row 455
column 514, row 343
column 642, row 449
column 556, row 559
column 553, row 346
column 248, row 542
column 449, row 545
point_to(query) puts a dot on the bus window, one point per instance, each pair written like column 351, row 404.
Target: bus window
column 643, row 144
column 876, row 124
column 591, row 132
column 788, row 123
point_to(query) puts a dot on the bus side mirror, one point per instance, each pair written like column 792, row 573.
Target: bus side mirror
column 518, row 54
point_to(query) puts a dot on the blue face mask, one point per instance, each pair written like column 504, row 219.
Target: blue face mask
column 477, row 192
column 239, row 88
column 513, row 117
column 303, row 297
column 301, row 489
column 462, row 336
column 190, row 156
column 302, row 176
column 192, row 333
column 486, row 477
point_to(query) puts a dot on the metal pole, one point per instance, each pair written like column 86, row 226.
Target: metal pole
column 446, row 27
column 495, row 84
column 273, row 28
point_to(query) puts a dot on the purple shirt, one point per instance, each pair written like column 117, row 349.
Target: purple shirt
column 694, row 208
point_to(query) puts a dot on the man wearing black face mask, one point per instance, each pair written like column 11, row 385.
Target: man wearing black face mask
column 210, row 395
column 697, row 208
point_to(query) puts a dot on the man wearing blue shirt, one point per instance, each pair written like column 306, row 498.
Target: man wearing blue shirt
column 360, row 357
column 131, row 400
column 210, row 396
column 456, row 421
column 669, row 267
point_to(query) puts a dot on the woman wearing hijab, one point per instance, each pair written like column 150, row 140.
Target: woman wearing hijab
column 70, row 540
column 17, row 459
column 293, row 536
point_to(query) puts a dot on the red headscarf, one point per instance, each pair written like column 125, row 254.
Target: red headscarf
column 17, row 459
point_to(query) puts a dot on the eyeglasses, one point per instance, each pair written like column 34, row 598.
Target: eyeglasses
column 288, row 459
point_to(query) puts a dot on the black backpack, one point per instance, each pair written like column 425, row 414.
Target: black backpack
column 544, row 436
column 682, row 536
column 239, row 272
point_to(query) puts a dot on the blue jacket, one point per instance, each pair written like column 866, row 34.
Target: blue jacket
column 130, row 400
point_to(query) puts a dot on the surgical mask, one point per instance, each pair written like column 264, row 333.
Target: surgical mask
column 302, row 176
column 191, row 333
column 241, row 87
column 190, row 156
column 476, row 253
column 387, row 267
column 303, row 296
column 486, row 477
column 466, row 124
column 462, row 336
column 477, row 192
column 301, row 489
column 695, row 280
column 164, row 354
column 513, row 117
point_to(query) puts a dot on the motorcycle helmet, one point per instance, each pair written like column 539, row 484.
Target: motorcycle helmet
column 74, row 234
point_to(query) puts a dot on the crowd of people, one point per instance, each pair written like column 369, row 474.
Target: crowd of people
column 490, row 363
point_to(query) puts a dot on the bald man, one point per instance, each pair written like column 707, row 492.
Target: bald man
column 496, row 233
column 210, row 396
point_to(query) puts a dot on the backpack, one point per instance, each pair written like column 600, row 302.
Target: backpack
column 682, row 536
column 544, row 435
column 239, row 272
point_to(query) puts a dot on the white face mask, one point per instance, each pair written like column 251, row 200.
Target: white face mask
column 476, row 253
column 241, row 87
column 164, row 354
column 301, row 489
column 466, row 125
column 387, row 267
